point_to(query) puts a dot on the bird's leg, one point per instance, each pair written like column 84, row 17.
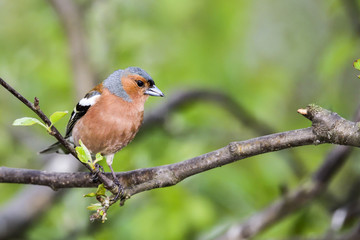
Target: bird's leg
column 109, row 161
column 116, row 180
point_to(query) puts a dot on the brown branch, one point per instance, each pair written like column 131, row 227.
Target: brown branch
column 327, row 127
column 297, row 198
column 148, row 178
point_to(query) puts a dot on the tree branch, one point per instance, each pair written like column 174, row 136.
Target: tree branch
column 327, row 127
column 167, row 175
column 297, row 198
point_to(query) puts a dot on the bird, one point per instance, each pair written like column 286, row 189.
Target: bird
column 110, row 115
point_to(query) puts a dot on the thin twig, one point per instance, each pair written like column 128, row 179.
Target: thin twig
column 36, row 109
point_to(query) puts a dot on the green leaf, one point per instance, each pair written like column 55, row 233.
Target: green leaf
column 98, row 158
column 100, row 190
column 90, row 195
column 56, row 116
column 356, row 64
column 94, row 206
column 83, row 153
column 27, row 121
column 87, row 152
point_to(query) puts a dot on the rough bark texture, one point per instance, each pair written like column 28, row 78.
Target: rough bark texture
column 328, row 127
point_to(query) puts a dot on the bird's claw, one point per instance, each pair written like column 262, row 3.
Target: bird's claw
column 94, row 174
column 99, row 168
column 120, row 193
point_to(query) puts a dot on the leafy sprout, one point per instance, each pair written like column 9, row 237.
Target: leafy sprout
column 28, row 121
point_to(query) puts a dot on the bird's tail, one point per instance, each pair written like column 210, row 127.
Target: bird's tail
column 55, row 148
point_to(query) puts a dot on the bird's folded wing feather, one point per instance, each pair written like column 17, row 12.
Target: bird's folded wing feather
column 80, row 109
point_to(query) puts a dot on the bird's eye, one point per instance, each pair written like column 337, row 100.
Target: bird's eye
column 140, row 83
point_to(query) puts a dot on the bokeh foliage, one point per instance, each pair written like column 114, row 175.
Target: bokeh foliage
column 272, row 57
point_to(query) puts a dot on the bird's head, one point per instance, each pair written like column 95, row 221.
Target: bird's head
column 132, row 84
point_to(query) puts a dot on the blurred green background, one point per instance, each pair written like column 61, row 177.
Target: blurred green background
column 271, row 57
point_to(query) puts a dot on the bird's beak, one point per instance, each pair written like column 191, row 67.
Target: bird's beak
column 154, row 91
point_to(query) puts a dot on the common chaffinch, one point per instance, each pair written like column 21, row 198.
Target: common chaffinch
column 110, row 115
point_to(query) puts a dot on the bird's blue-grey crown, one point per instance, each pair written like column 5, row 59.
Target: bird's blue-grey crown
column 139, row 71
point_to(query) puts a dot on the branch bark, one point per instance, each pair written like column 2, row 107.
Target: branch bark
column 327, row 127
column 148, row 178
column 295, row 199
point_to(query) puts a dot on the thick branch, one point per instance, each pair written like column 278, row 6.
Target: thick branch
column 148, row 178
column 303, row 194
column 327, row 127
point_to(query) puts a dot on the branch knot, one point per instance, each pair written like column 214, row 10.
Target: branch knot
column 329, row 127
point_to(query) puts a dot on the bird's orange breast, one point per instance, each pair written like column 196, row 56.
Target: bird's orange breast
column 110, row 124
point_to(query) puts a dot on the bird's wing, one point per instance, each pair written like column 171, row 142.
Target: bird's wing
column 80, row 109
